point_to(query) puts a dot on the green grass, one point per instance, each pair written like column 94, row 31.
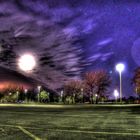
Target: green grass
column 79, row 122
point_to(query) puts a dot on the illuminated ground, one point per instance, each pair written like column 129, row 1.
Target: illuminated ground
column 80, row 122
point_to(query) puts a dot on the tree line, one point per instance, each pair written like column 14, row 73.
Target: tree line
column 93, row 88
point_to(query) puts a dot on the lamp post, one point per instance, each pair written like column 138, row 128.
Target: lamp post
column 17, row 95
column 25, row 91
column 82, row 94
column 120, row 68
column 61, row 96
column 116, row 94
column 96, row 95
column 39, row 88
column 48, row 96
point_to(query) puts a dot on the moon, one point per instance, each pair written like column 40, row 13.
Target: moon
column 27, row 62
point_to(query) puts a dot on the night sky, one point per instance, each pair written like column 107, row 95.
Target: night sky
column 70, row 37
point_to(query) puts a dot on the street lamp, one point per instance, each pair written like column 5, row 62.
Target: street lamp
column 116, row 94
column 25, row 91
column 39, row 88
column 120, row 68
column 17, row 95
column 48, row 96
column 61, row 95
column 96, row 96
column 82, row 94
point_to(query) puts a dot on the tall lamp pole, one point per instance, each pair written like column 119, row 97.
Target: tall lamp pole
column 82, row 94
column 116, row 94
column 61, row 96
column 39, row 88
column 120, row 68
column 25, row 91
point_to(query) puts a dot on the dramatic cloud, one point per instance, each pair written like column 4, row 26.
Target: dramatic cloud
column 69, row 37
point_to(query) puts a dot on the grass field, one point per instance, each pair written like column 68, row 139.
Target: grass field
column 79, row 122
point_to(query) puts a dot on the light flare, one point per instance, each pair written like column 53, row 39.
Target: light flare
column 27, row 62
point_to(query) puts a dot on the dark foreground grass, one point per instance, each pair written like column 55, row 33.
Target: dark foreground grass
column 79, row 122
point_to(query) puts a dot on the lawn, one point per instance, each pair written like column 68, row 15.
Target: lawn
column 67, row 122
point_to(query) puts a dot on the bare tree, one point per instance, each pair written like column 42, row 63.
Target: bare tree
column 97, row 83
column 136, row 81
column 73, row 90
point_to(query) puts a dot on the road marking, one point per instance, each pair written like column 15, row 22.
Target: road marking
column 69, row 106
column 71, row 131
column 37, row 128
column 23, row 130
column 92, row 132
column 7, row 125
column 28, row 133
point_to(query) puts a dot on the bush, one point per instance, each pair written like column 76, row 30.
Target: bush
column 44, row 96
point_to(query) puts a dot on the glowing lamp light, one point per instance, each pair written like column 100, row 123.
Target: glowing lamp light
column 26, row 62
column 120, row 67
column 39, row 88
column 116, row 93
column 25, row 90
